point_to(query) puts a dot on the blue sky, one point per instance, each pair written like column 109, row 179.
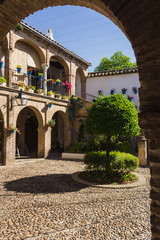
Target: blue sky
column 89, row 34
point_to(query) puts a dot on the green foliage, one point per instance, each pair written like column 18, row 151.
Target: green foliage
column 98, row 143
column 116, row 61
column 115, row 162
column 113, row 115
column 18, row 27
column 2, row 79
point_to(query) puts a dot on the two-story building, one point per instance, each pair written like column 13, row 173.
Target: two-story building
column 23, row 105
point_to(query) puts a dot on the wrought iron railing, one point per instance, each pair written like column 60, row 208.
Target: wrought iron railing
column 32, row 80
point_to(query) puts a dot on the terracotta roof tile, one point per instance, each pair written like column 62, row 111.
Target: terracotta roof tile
column 112, row 72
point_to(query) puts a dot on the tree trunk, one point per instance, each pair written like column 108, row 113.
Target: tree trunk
column 108, row 139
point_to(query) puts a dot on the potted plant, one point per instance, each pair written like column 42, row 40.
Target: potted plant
column 12, row 129
column 1, row 63
column 135, row 90
column 112, row 91
column 65, row 97
column 124, row 90
column 40, row 91
column 20, row 86
column 58, row 95
column 29, row 88
column 19, row 68
column 51, row 94
column 129, row 98
column 3, row 81
column 80, row 105
column 51, row 81
column 58, row 82
column 51, row 123
column 75, row 99
column 29, row 71
column 40, row 76
column 67, row 85
column 33, row 88
column 100, row 92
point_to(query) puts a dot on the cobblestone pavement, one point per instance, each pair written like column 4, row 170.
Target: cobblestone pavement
column 39, row 200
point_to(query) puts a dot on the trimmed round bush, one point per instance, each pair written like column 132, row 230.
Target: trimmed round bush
column 115, row 162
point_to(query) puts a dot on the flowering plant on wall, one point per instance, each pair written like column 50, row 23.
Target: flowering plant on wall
column 129, row 98
column 51, row 123
column 100, row 92
column 134, row 89
column 67, row 85
column 30, row 69
column 12, row 129
column 51, row 81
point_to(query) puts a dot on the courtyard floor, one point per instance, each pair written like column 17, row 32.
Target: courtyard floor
column 39, row 200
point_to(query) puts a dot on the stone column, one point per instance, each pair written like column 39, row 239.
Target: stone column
column 45, row 68
column 72, row 78
column 9, row 60
column 142, row 151
column 41, row 142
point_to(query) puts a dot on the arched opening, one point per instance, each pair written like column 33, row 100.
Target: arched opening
column 27, row 143
column 58, row 69
column 80, row 83
column 27, row 55
column 60, row 135
column 1, row 139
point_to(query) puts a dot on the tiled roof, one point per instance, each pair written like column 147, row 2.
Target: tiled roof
column 112, row 72
column 25, row 25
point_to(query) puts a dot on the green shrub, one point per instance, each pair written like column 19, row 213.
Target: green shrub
column 121, row 160
column 115, row 162
column 94, row 143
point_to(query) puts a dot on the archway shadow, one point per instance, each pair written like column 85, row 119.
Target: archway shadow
column 52, row 183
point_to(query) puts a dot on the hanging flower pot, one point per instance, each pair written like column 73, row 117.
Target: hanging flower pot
column 49, row 105
column 112, row 91
column 29, row 73
column 40, row 76
column 124, row 90
column 1, row 64
column 130, row 98
column 135, row 90
column 11, row 129
column 75, row 99
column 51, row 123
column 58, row 82
column 19, row 70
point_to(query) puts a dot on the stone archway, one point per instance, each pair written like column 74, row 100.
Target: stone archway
column 80, row 83
column 60, row 135
column 1, row 139
column 137, row 19
column 30, row 141
column 58, row 69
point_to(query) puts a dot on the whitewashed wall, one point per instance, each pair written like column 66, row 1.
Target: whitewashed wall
column 117, row 82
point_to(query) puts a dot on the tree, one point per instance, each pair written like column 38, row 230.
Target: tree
column 116, row 61
column 113, row 115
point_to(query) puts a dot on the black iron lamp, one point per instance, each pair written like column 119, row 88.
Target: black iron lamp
column 22, row 98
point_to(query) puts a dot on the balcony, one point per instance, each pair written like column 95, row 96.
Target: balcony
column 34, row 85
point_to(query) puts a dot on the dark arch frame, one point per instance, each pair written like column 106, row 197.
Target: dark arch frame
column 137, row 20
